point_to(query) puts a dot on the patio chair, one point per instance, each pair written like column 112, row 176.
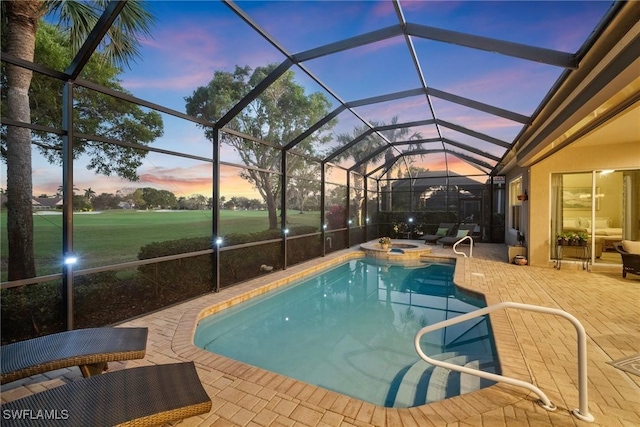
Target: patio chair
column 143, row 396
column 444, row 229
column 630, row 261
column 463, row 230
column 89, row 349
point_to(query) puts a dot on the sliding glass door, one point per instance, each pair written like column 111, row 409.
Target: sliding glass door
column 601, row 207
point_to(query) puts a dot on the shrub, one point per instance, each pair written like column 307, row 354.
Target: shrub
column 236, row 265
column 31, row 310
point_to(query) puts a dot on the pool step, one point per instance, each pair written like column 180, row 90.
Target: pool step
column 443, row 381
column 424, row 383
column 415, row 381
column 468, row 382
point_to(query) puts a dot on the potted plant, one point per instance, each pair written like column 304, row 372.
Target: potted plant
column 562, row 239
column 385, row 242
column 582, row 238
column 575, row 239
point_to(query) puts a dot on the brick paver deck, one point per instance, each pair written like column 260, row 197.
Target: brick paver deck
column 532, row 347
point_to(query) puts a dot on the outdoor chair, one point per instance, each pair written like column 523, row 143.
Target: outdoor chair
column 89, row 349
column 630, row 261
column 463, row 230
column 444, row 229
column 143, row 396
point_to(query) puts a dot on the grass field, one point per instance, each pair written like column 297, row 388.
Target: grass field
column 112, row 237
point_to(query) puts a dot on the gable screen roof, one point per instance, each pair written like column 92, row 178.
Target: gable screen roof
column 425, row 85
column 458, row 82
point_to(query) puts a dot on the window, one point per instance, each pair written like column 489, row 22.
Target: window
column 515, row 189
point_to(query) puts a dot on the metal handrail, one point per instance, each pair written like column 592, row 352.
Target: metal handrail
column 470, row 246
column 581, row 413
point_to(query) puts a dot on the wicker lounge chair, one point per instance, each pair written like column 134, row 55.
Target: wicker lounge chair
column 143, row 396
column 630, row 262
column 444, row 229
column 89, row 349
column 451, row 240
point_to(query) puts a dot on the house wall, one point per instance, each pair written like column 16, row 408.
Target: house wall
column 572, row 159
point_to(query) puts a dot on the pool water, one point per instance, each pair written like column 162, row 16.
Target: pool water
column 350, row 329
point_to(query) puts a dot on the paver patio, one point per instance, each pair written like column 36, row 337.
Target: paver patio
column 532, row 347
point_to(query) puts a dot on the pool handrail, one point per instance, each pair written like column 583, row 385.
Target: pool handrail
column 455, row 245
column 581, row 413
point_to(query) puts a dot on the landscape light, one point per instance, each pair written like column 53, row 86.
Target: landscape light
column 410, row 219
column 70, row 259
column 218, row 241
column 285, row 231
column 324, row 226
column 350, row 222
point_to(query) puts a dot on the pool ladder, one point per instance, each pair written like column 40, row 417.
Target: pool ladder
column 455, row 245
column 581, row 413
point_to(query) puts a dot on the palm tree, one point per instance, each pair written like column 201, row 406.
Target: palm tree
column 359, row 152
column 370, row 145
column 89, row 194
column 396, row 135
column 20, row 24
column 61, row 189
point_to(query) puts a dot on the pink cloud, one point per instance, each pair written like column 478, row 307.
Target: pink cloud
column 190, row 53
column 182, row 181
column 407, row 109
column 182, row 82
column 378, row 46
column 506, row 84
column 383, row 8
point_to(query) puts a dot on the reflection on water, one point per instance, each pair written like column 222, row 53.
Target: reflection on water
column 349, row 329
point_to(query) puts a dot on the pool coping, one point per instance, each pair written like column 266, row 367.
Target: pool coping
column 413, row 252
column 509, row 354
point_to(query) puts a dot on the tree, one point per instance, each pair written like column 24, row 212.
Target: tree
column 106, row 201
column 89, row 194
column 279, row 114
column 363, row 149
column 193, row 202
column 396, row 135
column 367, row 147
column 167, row 200
column 158, row 198
column 93, row 112
column 137, row 199
column 20, row 25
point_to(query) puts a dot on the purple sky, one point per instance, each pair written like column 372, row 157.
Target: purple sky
column 193, row 39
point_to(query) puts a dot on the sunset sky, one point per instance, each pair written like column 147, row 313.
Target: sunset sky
column 193, row 39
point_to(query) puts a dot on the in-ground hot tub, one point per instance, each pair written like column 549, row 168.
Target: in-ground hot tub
column 399, row 249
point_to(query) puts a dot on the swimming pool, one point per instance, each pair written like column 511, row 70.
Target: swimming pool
column 350, row 329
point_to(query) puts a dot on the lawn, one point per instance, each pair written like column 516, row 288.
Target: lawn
column 112, row 237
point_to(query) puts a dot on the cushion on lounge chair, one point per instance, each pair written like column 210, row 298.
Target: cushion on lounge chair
column 148, row 395
column 631, row 247
column 463, row 230
column 442, row 232
column 443, row 229
column 89, row 349
column 630, row 261
column 462, row 233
